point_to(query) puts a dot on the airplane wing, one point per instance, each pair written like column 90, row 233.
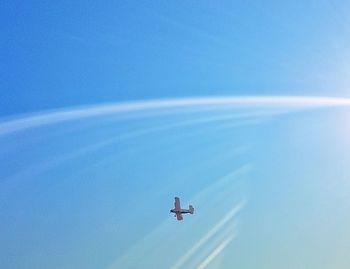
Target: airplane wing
column 179, row 216
column 177, row 203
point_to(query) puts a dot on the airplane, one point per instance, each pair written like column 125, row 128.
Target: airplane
column 179, row 211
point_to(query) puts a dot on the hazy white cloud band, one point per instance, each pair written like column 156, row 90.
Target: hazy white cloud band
column 228, row 217
column 215, row 253
column 45, row 118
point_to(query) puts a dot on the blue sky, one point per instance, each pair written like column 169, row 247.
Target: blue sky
column 65, row 54
column 92, row 187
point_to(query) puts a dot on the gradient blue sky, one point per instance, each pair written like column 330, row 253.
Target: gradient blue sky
column 58, row 54
column 95, row 191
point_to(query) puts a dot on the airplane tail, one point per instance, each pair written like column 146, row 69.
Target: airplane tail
column 191, row 209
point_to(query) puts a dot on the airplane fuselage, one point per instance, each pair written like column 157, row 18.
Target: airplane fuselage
column 182, row 211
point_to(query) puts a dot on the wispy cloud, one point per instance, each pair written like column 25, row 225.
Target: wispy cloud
column 147, row 252
column 54, row 161
column 228, row 217
column 45, row 118
column 215, row 252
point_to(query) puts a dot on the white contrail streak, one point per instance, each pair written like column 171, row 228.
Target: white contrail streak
column 40, row 119
column 215, row 253
column 147, row 250
column 208, row 235
column 45, row 165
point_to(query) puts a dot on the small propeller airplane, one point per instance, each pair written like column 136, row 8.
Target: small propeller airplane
column 179, row 211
